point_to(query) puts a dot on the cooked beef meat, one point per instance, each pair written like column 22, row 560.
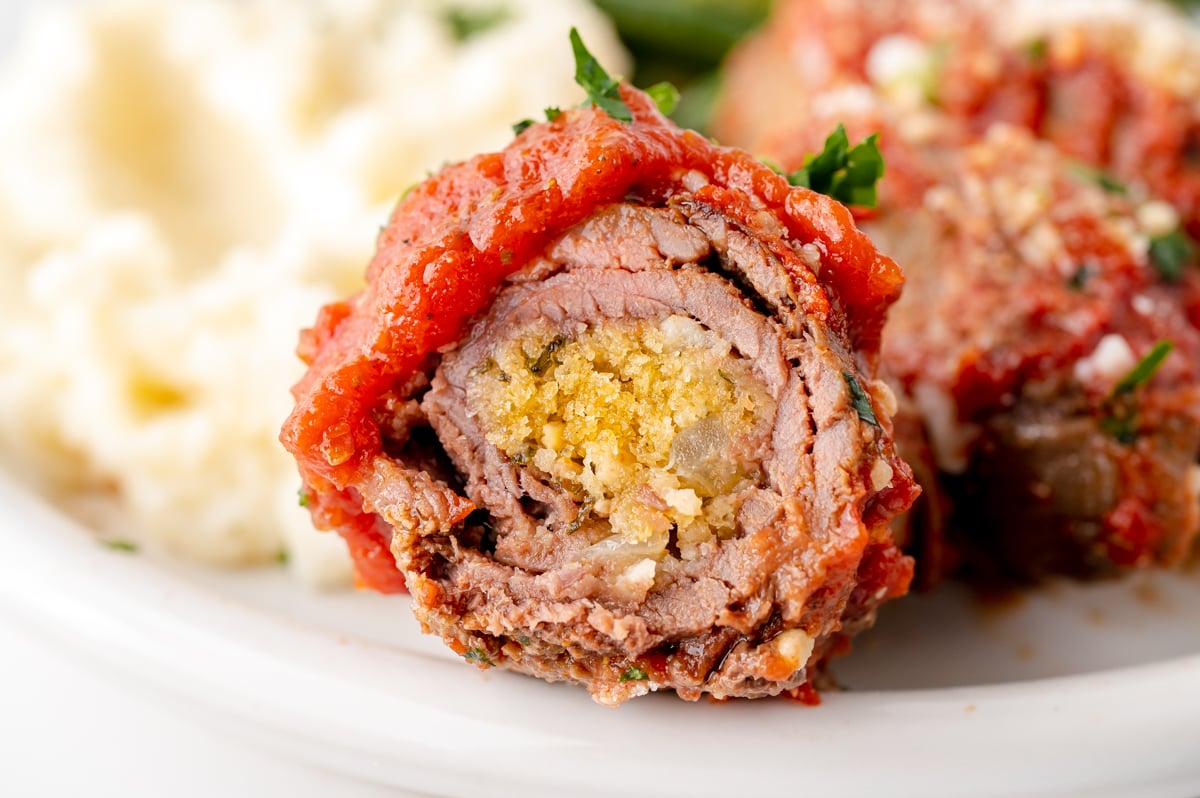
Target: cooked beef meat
column 660, row 456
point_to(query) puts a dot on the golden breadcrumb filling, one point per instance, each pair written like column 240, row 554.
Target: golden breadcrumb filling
column 647, row 422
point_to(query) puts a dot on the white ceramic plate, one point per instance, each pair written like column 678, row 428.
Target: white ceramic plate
column 1073, row 691
column 1087, row 691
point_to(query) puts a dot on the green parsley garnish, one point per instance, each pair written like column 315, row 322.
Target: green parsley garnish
column 848, row 174
column 282, row 557
column 1140, row 374
column 860, row 400
column 601, row 89
column 127, row 546
column 1119, row 422
column 1170, row 253
column 1101, row 178
column 1119, row 417
column 665, row 96
column 305, row 499
column 634, row 674
column 1079, row 279
column 1110, row 183
column 552, row 113
column 465, row 23
column 479, row 657
column 604, row 91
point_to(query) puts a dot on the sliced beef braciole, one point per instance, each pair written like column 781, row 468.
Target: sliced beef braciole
column 610, row 401
column 1043, row 344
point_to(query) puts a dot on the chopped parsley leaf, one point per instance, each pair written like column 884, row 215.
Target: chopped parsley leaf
column 546, row 358
column 1170, row 253
column 305, row 498
column 466, row 23
column 1101, row 178
column 127, row 546
column 603, row 92
column 848, row 174
column 1110, row 184
column 665, row 96
column 1119, row 417
column 1140, row 374
column 1121, row 425
column 282, row 557
column 860, row 400
column 479, row 657
column 552, row 113
column 634, row 674
column 1079, row 279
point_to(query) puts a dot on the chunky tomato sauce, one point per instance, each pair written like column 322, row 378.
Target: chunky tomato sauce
column 455, row 238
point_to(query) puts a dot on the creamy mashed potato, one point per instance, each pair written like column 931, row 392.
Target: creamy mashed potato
column 182, row 185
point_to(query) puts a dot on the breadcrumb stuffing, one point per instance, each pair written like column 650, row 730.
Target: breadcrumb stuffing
column 640, row 419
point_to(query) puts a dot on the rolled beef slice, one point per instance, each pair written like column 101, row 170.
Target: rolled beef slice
column 652, row 452
column 1045, row 440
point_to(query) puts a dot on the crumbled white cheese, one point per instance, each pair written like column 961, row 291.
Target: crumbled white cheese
column 635, row 581
column 897, row 57
column 1157, row 218
column 794, row 647
column 1143, row 305
column 881, row 474
column 1111, row 360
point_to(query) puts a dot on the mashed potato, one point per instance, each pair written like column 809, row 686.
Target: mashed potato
column 181, row 186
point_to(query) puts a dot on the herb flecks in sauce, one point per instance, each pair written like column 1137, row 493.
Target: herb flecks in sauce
column 860, row 400
column 634, row 674
column 1119, row 417
column 478, row 656
column 1170, row 253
